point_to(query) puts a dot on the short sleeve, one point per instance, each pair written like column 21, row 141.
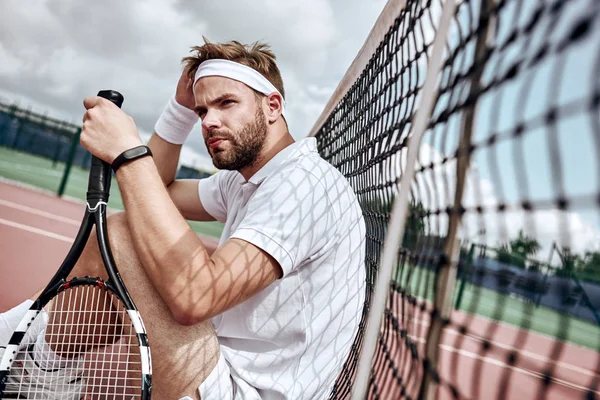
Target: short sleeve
column 213, row 193
column 289, row 217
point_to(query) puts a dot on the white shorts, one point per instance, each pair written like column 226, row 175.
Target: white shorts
column 221, row 385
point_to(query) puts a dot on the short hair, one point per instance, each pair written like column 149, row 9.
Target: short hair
column 257, row 56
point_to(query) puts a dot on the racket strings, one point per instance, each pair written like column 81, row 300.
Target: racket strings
column 88, row 350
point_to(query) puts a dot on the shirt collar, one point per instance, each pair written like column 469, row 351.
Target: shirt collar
column 294, row 150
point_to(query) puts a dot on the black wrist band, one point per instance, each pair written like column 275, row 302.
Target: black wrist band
column 130, row 155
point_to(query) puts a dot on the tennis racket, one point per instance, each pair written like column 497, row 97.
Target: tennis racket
column 95, row 344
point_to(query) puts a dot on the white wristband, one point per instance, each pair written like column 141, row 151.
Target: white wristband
column 176, row 122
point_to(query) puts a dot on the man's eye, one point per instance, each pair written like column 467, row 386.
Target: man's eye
column 227, row 102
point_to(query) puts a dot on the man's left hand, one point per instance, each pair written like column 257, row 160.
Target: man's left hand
column 107, row 131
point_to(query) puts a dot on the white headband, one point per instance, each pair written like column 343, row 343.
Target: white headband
column 239, row 72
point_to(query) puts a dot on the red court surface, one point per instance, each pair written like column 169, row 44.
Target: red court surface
column 37, row 228
column 480, row 373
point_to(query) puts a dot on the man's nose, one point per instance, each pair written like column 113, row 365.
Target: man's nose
column 211, row 120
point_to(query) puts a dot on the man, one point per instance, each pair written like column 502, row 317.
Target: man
column 272, row 313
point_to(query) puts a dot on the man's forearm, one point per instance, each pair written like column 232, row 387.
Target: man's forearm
column 166, row 158
column 170, row 252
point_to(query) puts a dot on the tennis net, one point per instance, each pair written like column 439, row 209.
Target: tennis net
column 495, row 283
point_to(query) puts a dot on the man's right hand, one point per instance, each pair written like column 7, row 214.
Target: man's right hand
column 184, row 94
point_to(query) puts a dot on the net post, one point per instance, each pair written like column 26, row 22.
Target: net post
column 399, row 212
column 465, row 275
column 65, row 177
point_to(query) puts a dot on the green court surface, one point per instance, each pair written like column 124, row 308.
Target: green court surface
column 506, row 308
column 544, row 320
column 44, row 174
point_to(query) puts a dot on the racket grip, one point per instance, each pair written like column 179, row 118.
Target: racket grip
column 100, row 171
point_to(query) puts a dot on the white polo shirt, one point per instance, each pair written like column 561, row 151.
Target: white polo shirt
column 290, row 341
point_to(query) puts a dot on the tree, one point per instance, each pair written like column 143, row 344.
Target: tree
column 415, row 224
column 518, row 250
column 503, row 254
column 524, row 247
column 592, row 262
column 571, row 262
column 590, row 269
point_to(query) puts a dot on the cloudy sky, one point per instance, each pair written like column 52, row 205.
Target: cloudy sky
column 56, row 52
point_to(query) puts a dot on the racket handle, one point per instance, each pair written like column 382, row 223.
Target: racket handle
column 100, row 171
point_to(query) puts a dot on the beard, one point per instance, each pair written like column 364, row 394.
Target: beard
column 244, row 145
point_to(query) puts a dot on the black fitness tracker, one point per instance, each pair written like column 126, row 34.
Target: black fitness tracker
column 130, row 155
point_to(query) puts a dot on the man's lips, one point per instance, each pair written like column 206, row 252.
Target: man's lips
column 215, row 142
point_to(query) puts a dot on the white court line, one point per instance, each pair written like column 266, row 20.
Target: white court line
column 529, row 354
column 502, row 364
column 36, row 230
column 39, row 212
column 32, row 169
column 39, row 170
column 521, row 370
column 525, row 353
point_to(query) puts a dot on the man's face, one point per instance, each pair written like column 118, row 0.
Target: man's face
column 233, row 123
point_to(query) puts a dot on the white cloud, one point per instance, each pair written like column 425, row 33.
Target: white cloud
column 492, row 227
column 300, row 31
column 548, row 226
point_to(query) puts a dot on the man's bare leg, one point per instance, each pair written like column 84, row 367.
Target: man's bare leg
column 182, row 356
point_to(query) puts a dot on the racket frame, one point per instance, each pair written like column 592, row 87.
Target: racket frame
column 95, row 215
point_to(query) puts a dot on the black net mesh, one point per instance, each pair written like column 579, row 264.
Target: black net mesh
column 504, row 204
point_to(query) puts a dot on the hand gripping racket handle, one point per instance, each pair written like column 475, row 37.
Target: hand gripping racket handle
column 100, row 171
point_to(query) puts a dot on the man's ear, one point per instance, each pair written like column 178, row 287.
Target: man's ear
column 275, row 106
